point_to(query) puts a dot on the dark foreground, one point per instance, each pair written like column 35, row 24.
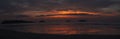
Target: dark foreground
column 7, row 34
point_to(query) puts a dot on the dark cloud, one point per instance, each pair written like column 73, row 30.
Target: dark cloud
column 112, row 8
column 89, row 5
column 13, row 6
column 21, row 5
column 8, row 6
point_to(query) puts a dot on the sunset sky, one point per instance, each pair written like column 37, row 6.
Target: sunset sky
column 9, row 8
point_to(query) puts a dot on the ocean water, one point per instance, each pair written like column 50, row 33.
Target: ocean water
column 65, row 29
column 58, row 25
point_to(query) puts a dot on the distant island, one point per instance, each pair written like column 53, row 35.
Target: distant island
column 77, row 21
column 15, row 21
column 82, row 20
column 41, row 21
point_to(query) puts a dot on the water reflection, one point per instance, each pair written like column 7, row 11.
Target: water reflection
column 64, row 29
column 58, row 29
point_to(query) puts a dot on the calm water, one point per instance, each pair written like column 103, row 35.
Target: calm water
column 64, row 28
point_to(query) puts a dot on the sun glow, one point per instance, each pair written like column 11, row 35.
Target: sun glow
column 75, row 12
column 68, row 13
column 60, row 13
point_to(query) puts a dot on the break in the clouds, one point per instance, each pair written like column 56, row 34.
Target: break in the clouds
column 19, row 6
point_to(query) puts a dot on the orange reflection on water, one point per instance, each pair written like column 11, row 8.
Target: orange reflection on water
column 61, row 30
column 68, row 29
column 94, row 30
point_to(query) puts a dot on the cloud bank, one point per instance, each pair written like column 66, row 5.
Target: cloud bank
column 19, row 6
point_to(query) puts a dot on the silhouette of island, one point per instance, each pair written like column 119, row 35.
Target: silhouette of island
column 82, row 20
column 41, row 21
column 15, row 21
column 21, row 16
column 68, row 21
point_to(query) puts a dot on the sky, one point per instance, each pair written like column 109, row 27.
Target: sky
column 13, row 6
column 26, row 7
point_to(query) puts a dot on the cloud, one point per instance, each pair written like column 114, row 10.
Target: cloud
column 115, row 0
column 111, row 9
column 19, row 6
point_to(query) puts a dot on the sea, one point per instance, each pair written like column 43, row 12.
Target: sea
column 64, row 29
column 58, row 26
